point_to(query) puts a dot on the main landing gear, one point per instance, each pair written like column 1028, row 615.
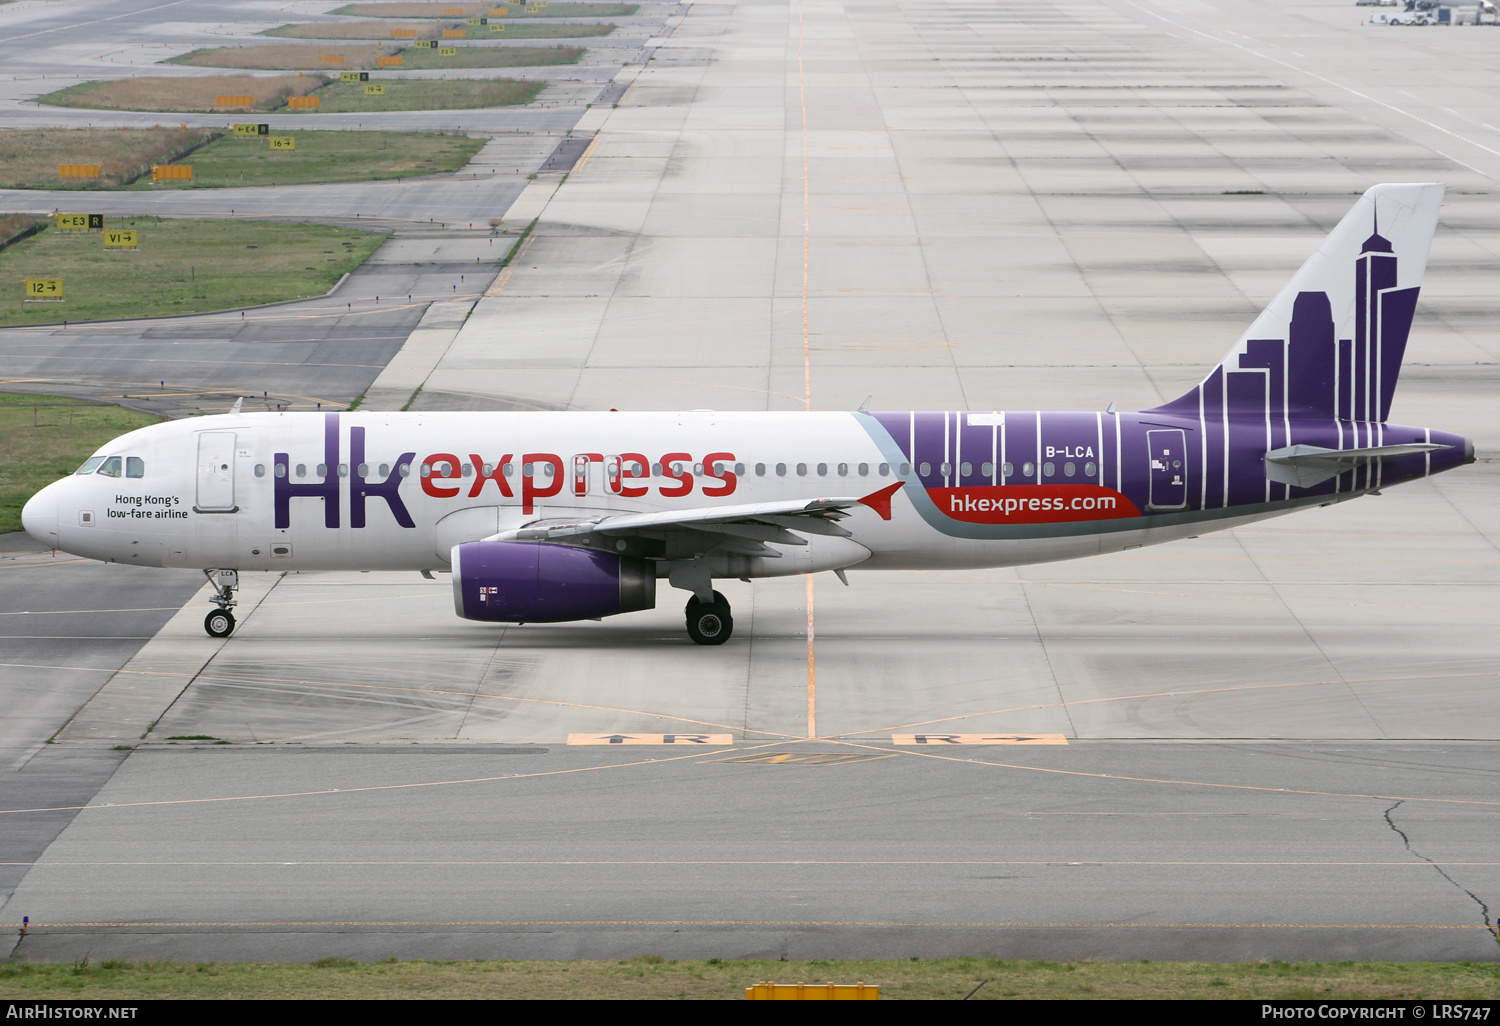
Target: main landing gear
column 219, row 623
column 709, row 623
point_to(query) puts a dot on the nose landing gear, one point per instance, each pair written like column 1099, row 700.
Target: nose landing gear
column 219, row 623
column 709, row 623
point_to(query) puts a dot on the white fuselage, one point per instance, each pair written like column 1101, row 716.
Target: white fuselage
column 302, row 491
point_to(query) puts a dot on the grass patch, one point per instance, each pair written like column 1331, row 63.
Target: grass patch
column 183, row 266
column 29, row 157
column 429, row 94
column 43, row 438
column 382, row 30
column 15, row 226
column 329, row 156
column 184, row 94
column 286, row 56
column 362, row 58
column 491, row 57
column 436, row 10
column 651, row 977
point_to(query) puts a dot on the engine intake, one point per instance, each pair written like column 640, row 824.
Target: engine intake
column 535, row 582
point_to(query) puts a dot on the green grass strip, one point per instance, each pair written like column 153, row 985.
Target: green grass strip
column 183, row 266
column 45, row 437
column 652, row 977
column 323, row 156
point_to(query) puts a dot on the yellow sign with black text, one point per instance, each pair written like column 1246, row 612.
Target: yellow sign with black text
column 283, row 142
column 251, row 131
column 354, row 76
column 79, row 223
column 44, row 290
column 122, row 238
column 447, row 51
column 374, row 88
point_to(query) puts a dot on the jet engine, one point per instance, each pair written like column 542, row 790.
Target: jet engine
column 534, row 582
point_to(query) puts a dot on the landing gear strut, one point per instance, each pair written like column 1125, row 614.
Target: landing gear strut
column 709, row 623
column 219, row 623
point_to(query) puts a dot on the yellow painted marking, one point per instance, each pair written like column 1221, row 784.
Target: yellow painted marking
column 650, row 739
column 978, row 739
column 787, row 758
column 587, row 153
column 494, row 289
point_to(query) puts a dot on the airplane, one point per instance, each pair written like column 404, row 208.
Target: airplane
column 552, row 517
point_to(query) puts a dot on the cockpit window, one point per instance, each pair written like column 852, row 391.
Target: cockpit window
column 135, row 466
column 90, row 465
column 111, row 467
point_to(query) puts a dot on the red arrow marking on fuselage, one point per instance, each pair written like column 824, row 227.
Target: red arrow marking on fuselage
column 880, row 501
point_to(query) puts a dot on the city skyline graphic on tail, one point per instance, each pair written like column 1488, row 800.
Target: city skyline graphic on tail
column 1295, row 414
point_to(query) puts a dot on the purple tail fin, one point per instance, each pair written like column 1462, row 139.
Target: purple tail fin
column 1331, row 342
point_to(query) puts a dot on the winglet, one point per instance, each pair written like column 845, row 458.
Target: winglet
column 880, row 501
column 240, row 401
column 864, row 407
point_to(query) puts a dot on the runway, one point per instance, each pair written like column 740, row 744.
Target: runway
column 1280, row 741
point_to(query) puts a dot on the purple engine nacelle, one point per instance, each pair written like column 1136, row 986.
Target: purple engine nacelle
column 532, row 582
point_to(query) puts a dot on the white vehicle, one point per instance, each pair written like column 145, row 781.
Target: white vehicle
column 1404, row 18
column 546, row 517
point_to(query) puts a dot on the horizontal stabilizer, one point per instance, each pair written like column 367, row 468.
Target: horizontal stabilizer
column 1308, row 465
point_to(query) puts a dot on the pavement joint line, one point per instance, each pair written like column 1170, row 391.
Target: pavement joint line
column 36, row 927
column 832, row 738
column 1058, row 863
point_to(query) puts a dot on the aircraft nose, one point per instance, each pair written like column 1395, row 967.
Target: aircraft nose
column 39, row 516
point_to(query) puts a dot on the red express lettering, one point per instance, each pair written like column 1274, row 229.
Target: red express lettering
column 683, row 478
column 529, row 487
column 497, row 475
column 641, row 472
column 431, row 476
column 676, row 467
column 716, row 467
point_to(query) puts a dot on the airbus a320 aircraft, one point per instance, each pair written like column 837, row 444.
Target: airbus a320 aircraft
column 545, row 517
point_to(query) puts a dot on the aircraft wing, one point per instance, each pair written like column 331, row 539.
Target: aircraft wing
column 744, row 528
